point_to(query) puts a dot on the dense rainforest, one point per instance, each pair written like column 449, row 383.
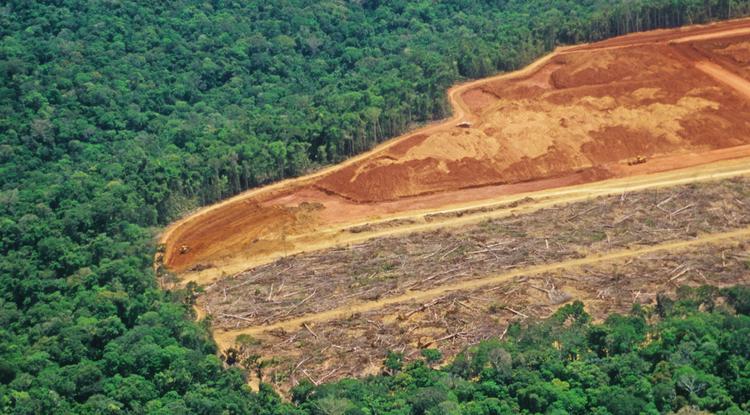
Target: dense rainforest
column 118, row 116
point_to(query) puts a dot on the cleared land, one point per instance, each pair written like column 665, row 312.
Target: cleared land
column 393, row 266
column 677, row 98
column 355, row 345
column 337, row 312
column 444, row 236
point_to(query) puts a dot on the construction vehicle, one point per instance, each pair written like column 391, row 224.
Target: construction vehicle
column 184, row 249
column 637, row 160
column 463, row 124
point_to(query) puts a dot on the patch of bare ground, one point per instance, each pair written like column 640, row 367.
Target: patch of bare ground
column 649, row 100
column 671, row 99
column 312, row 283
column 732, row 53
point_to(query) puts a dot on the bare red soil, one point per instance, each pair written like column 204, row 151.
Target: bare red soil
column 676, row 97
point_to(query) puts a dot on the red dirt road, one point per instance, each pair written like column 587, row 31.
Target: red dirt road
column 575, row 116
column 739, row 84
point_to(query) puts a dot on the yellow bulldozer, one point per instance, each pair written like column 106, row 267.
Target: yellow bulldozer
column 637, row 160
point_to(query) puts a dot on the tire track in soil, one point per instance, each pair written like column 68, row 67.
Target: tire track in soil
column 739, row 84
column 709, row 64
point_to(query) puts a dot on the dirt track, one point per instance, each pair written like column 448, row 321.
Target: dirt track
column 459, row 214
column 581, row 112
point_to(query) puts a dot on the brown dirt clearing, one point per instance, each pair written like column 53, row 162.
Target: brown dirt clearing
column 576, row 116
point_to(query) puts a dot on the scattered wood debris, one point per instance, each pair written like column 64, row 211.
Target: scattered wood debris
column 380, row 268
column 389, row 266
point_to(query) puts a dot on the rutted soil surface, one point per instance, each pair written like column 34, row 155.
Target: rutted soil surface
column 576, row 116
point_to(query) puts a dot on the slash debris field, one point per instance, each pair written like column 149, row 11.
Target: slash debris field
column 452, row 287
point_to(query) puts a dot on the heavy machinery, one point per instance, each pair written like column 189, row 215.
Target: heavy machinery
column 637, row 160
